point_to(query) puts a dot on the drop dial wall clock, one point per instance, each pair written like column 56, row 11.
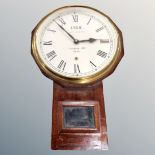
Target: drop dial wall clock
column 77, row 47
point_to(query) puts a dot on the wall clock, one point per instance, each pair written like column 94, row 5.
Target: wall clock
column 77, row 47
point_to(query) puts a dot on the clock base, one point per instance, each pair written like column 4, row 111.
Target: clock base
column 78, row 118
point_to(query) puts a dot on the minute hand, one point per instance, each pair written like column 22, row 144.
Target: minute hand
column 75, row 40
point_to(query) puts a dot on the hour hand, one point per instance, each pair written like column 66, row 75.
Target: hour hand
column 91, row 40
column 75, row 40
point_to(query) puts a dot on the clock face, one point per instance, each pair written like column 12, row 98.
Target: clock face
column 77, row 44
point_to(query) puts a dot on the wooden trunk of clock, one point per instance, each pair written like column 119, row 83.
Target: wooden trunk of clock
column 78, row 118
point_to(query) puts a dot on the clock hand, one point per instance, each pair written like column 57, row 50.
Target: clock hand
column 91, row 40
column 75, row 40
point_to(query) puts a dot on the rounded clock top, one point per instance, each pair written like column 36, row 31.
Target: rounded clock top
column 77, row 45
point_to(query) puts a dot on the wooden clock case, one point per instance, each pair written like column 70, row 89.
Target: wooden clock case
column 78, row 113
column 74, row 136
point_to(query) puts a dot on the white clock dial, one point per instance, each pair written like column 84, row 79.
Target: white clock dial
column 76, row 42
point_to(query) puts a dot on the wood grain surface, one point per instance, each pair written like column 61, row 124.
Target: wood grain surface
column 78, row 138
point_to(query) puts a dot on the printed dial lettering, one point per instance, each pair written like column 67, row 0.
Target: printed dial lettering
column 62, row 21
column 99, row 29
column 51, row 55
column 48, row 43
column 75, row 18
column 102, row 54
column 76, row 68
column 62, row 65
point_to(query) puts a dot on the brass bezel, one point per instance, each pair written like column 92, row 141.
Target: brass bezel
column 84, row 80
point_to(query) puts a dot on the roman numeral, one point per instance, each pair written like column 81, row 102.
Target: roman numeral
column 62, row 21
column 75, row 18
column 62, row 65
column 104, row 41
column 89, row 21
column 99, row 29
column 76, row 68
column 102, row 54
column 92, row 64
column 47, row 43
column 51, row 30
column 51, row 55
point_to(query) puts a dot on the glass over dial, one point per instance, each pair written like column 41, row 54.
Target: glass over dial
column 76, row 42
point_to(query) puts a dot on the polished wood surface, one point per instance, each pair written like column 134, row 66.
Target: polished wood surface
column 78, row 138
